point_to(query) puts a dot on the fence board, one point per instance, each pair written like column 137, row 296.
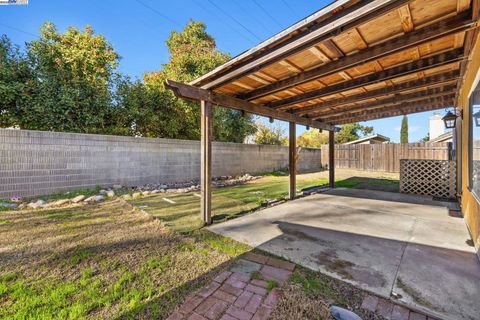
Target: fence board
column 383, row 157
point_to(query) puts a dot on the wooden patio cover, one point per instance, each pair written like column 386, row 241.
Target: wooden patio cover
column 353, row 60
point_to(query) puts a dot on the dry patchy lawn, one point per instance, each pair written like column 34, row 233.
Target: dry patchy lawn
column 101, row 261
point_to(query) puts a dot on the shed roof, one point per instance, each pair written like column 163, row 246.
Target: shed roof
column 353, row 60
column 378, row 137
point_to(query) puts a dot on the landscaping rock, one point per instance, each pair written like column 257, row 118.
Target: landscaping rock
column 343, row 314
column 57, row 203
column 8, row 205
column 145, row 193
column 110, row 194
column 127, row 197
column 136, row 195
column 155, row 191
column 103, row 192
column 117, row 186
column 37, row 204
column 78, row 199
column 94, row 199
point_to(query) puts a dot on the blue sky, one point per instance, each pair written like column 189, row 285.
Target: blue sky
column 138, row 30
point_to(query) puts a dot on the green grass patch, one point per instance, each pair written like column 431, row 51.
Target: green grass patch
column 316, row 285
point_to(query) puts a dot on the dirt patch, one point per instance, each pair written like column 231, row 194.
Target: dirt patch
column 308, row 296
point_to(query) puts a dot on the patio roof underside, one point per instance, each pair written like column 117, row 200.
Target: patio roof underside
column 353, row 61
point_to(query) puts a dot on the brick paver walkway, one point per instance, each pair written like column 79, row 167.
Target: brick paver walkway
column 240, row 293
column 391, row 311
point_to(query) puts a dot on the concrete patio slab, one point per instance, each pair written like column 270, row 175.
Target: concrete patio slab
column 379, row 241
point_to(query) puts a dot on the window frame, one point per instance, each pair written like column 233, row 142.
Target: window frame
column 471, row 124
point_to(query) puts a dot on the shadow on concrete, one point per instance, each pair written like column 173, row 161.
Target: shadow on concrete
column 420, row 256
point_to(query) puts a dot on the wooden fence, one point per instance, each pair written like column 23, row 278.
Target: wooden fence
column 384, row 157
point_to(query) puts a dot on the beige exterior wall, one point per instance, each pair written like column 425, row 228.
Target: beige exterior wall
column 470, row 205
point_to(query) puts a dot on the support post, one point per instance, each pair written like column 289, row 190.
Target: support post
column 206, row 162
column 331, row 159
column 292, row 160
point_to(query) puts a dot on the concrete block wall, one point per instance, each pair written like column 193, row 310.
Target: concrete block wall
column 39, row 162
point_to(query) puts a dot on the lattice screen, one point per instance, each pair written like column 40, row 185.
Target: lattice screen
column 428, row 177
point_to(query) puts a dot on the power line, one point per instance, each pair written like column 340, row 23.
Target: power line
column 267, row 13
column 18, row 30
column 289, row 7
column 238, row 22
column 200, row 5
column 159, row 13
column 238, row 3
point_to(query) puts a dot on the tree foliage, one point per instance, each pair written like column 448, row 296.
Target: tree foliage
column 352, row 131
column 69, row 82
column 193, row 52
column 404, row 130
column 273, row 135
column 66, row 81
column 312, row 138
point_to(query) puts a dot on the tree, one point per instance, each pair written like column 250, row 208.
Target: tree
column 312, row 138
column 426, row 138
column 74, row 76
column 16, row 84
column 351, row 132
column 404, row 130
column 273, row 135
column 193, row 52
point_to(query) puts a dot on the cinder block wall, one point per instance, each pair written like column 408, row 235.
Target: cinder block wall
column 39, row 162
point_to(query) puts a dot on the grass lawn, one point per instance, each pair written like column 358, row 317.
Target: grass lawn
column 181, row 212
column 101, row 261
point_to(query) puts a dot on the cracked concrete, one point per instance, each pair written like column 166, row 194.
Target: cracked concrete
column 379, row 241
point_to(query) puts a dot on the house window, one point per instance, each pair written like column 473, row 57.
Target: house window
column 474, row 143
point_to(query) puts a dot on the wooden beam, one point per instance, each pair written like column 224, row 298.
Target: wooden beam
column 280, row 47
column 418, row 106
column 197, row 94
column 433, row 80
column 406, row 18
column 399, row 112
column 463, row 5
column 331, row 159
column 206, row 162
column 357, row 38
column 292, row 160
column 440, row 29
column 396, row 99
column 387, row 74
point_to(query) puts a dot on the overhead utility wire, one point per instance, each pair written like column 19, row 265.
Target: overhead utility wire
column 18, row 30
column 259, row 21
column 267, row 13
column 233, row 18
column 159, row 13
column 201, row 6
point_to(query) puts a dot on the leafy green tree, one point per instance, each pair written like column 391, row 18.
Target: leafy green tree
column 17, row 84
column 273, row 135
column 312, row 138
column 193, row 52
column 404, row 130
column 351, row 132
column 74, row 77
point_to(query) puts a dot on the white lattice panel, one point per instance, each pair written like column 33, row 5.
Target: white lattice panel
column 428, row 177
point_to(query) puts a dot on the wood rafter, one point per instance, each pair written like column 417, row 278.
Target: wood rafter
column 396, row 111
column 432, row 80
column 346, row 18
column 406, row 18
column 404, row 69
column 357, row 38
column 396, row 99
column 443, row 28
column 194, row 93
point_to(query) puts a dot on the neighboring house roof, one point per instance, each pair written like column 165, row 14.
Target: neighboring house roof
column 377, row 137
column 443, row 137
